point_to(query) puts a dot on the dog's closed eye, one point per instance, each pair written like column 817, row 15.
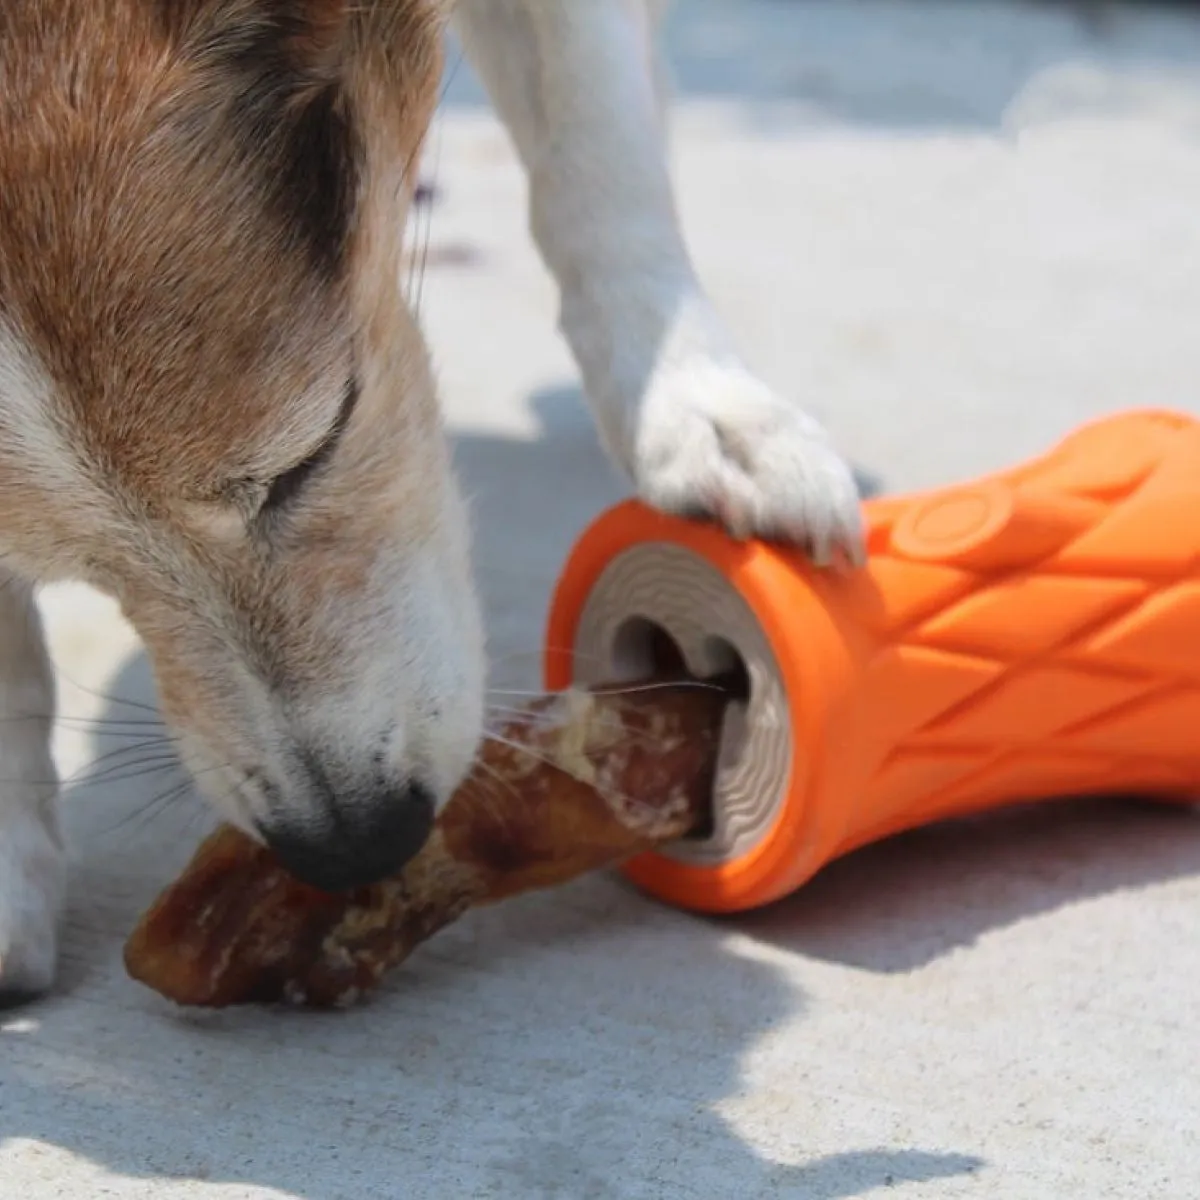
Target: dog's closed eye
column 283, row 489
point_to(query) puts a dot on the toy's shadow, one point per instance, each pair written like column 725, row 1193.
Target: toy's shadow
column 904, row 902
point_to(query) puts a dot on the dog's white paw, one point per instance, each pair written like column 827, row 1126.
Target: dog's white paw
column 32, row 894
column 714, row 441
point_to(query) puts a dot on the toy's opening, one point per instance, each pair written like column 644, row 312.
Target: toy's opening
column 658, row 611
column 643, row 649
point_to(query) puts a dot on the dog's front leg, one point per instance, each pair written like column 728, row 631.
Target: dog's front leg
column 32, row 860
column 577, row 84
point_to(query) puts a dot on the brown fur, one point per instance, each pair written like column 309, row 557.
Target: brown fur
column 193, row 344
column 235, row 430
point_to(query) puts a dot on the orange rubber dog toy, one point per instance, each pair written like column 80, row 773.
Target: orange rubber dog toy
column 1033, row 633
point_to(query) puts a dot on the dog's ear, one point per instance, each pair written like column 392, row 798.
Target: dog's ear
column 308, row 39
column 269, row 78
column 314, row 34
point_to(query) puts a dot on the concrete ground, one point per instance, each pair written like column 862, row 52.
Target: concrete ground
column 956, row 230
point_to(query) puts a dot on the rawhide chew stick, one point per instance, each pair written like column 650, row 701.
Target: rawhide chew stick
column 577, row 781
column 1032, row 633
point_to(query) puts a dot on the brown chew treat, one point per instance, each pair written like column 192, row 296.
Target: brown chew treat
column 578, row 781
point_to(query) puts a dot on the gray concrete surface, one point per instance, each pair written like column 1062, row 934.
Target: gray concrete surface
column 956, row 229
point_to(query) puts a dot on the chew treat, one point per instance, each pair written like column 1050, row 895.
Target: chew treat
column 577, row 781
column 1033, row 633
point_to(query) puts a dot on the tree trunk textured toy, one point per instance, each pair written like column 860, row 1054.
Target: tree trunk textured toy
column 1032, row 633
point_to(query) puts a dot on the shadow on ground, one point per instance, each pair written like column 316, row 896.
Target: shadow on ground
column 905, row 902
column 544, row 1048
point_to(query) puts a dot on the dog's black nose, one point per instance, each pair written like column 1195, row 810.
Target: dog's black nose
column 353, row 844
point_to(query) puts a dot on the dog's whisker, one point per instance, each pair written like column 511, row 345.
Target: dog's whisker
column 591, row 660
column 509, row 715
column 107, row 697
column 155, row 741
column 152, row 809
column 506, row 715
column 157, row 753
column 145, row 764
column 123, row 772
column 124, row 757
column 517, row 713
column 165, row 797
column 532, row 752
column 619, row 689
column 423, row 221
column 113, row 726
column 156, row 806
column 539, row 653
column 495, row 777
column 556, row 763
column 125, row 736
column 115, row 722
column 425, row 225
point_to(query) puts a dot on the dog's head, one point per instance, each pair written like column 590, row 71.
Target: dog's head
column 215, row 402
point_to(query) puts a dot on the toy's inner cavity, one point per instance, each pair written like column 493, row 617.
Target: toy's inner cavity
column 658, row 610
column 642, row 649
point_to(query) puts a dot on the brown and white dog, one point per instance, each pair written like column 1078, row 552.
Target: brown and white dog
column 216, row 406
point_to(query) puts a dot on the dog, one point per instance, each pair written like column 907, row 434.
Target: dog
column 216, row 405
